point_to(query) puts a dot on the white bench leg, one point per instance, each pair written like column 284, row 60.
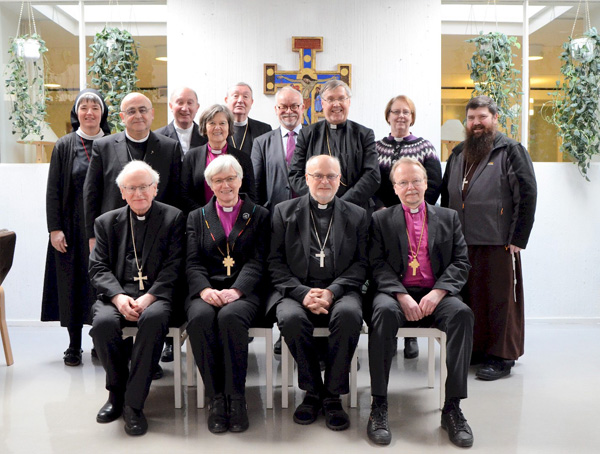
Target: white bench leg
column 177, row 366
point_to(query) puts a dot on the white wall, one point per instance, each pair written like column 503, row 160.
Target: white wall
column 560, row 264
column 214, row 44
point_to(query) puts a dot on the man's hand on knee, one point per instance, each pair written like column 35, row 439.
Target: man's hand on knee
column 125, row 304
column 409, row 307
column 430, row 301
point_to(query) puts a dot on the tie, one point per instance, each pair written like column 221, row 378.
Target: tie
column 291, row 145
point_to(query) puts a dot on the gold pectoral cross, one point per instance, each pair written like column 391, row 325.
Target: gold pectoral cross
column 228, row 262
column 141, row 279
column 321, row 256
column 414, row 264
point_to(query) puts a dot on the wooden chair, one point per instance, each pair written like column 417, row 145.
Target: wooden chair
column 7, row 251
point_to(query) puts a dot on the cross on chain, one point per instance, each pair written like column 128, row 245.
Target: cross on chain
column 228, row 262
column 141, row 279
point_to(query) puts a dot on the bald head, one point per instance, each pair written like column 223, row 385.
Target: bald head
column 137, row 114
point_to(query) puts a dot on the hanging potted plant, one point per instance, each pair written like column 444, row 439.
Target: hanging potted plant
column 575, row 104
column 114, row 62
column 493, row 73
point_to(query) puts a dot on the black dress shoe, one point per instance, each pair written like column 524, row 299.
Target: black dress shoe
column 308, row 411
column 72, row 356
column 411, row 347
column 158, row 372
column 167, row 354
column 277, row 347
column 135, row 421
column 238, row 413
column 217, row 414
column 111, row 410
column 459, row 431
column 335, row 416
column 494, row 368
column 378, row 428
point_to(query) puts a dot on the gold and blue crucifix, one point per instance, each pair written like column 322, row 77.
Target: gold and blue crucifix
column 306, row 79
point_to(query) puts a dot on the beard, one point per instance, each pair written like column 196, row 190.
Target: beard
column 478, row 146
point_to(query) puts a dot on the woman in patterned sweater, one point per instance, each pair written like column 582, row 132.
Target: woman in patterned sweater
column 400, row 113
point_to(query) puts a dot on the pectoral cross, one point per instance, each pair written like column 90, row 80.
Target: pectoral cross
column 228, row 262
column 463, row 183
column 141, row 279
column 321, row 256
column 414, row 264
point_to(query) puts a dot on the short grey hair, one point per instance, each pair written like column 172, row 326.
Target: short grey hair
column 210, row 113
column 240, row 84
column 333, row 84
column 407, row 160
column 312, row 159
column 222, row 164
column 134, row 166
column 287, row 88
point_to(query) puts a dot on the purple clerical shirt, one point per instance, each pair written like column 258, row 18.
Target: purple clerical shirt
column 228, row 218
column 414, row 224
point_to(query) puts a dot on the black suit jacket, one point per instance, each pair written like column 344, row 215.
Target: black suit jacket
column 255, row 129
column 290, row 248
column 205, row 267
column 192, row 176
column 388, row 249
column 358, row 158
column 161, row 258
column 170, row 132
column 109, row 156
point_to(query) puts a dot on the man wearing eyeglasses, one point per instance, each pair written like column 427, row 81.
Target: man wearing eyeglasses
column 317, row 263
column 111, row 153
column 272, row 152
column 134, row 268
column 351, row 143
column 418, row 272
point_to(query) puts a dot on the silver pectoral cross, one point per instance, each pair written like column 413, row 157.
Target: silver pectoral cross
column 141, row 279
column 463, row 183
column 321, row 256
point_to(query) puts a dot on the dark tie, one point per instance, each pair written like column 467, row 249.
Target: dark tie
column 291, row 145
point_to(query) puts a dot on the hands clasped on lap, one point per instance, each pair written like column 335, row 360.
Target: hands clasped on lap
column 131, row 308
column 318, row 300
column 220, row 298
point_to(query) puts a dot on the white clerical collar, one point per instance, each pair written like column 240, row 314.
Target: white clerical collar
column 227, row 209
column 320, row 206
column 414, row 210
column 240, row 123
column 332, row 126
column 136, row 140
column 213, row 151
column 184, row 131
column 399, row 139
column 80, row 133
column 140, row 218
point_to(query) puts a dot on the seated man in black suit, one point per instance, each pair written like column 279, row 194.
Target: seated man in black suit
column 318, row 262
column 419, row 262
column 134, row 267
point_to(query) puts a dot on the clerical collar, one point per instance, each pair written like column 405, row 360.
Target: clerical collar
column 414, row 210
column 320, row 206
column 240, row 123
column 184, row 131
column 338, row 126
column 145, row 216
column 407, row 138
column 135, row 140
column 80, row 133
column 217, row 152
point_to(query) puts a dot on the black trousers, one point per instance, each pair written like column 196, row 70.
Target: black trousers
column 451, row 315
column 107, row 330
column 219, row 338
column 344, row 321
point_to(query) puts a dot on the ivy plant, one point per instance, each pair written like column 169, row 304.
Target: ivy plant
column 25, row 86
column 114, row 62
column 575, row 103
column 493, row 73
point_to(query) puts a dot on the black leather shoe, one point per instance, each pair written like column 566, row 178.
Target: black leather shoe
column 217, row 414
column 308, row 411
column 277, row 347
column 111, row 410
column 238, row 413
column 455, row 423
column 335, row 416
column 72, row 357
column 411, row 347
column 167, row 354
column 135, row 421
column 494, row 368
column 378, row 428
column 158, row 372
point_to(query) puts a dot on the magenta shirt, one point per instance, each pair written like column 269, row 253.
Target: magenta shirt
column 424, row 274
column 228, row 218
column 210, row 157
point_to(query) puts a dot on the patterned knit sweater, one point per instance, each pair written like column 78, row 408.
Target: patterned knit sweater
column 389, row 151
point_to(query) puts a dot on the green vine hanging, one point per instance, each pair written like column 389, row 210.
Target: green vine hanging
column 114, row 62
column 25, row 85
column 575, row 104
column 493, row 73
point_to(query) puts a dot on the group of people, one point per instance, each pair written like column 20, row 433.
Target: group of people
column 227, row 221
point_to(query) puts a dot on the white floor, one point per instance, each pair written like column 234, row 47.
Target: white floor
column 548, row 404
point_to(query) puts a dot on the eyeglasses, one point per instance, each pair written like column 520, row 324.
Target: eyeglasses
column 293, row 108
column 319, row 176
column 397, row 113
column 143, row 188
column 334, row 100
column 131, row 112
column 404, row 184
column 220, row 181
